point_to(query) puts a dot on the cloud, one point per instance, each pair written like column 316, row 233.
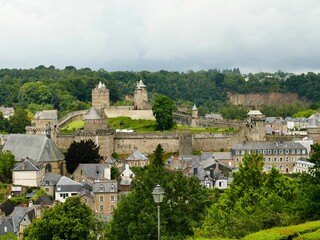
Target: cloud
column 168, row 34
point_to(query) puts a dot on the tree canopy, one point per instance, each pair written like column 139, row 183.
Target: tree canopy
column 81, row 152
column 163, row 111
column 7, row 162
column 70, row 220
column 254, row 201
column 182, row 209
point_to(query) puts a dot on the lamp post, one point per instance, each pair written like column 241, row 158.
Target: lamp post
column 158, row 194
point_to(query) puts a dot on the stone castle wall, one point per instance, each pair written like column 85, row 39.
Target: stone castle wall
column 134, row 114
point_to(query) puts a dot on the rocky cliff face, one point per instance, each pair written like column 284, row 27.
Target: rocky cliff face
column 260, row 99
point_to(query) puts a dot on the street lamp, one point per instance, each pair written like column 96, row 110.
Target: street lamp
column 158, row 194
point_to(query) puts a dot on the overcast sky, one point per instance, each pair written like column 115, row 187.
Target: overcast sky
column 174, row 35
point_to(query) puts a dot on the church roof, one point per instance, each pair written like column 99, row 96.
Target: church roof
column 93, row 114
column 36, row 147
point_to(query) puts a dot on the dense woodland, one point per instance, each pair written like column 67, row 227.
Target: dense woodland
column 69, row 89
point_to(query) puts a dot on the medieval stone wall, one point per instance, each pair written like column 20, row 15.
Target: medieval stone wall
column 134, row 114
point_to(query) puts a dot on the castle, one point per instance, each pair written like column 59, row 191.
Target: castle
column 97, row 129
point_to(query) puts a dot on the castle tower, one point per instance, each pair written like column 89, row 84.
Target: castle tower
column 141, row 97
column 194, row 115
column 256, row 126
column 100, row 96
column 95, row 120
column 194, row 112
column 313, row 131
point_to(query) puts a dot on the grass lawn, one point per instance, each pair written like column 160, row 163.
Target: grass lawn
column 139, row 125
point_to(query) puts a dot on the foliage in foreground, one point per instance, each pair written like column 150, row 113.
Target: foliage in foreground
column 254, row 201
column 70, row 220
column 7, row 161
column 279, row 233
column 181, row 210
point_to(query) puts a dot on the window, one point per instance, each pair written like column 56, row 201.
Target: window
column 101, row 208
column 220, row 184
column 298, row 151
column 5, row 229
column 269, row 167
column 64, row 195
column 274, row 159
column 101, row 198
column 269, row 159
column 112, row 198
column 142, row 164
column 264, row 152
column 74, row 194
column 281, row 151
column 242, row 152
column 101, row 188
column 303, row 151
column 293, row 151
column 136, row 164
column 281, row 167
column 287, row 151
column 275, row 152
column 86, row 201
column 237, row 160
column 259, row 151
column 281, row 159
column 237, row 152
column 287, row 159
column 269, row 152
column 112, row 188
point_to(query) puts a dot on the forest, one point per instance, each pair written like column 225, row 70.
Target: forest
column 69, row 89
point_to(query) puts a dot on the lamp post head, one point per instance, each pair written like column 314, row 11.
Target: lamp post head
column 158, row 194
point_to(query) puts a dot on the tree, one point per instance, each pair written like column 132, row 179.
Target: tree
column 7, row 161
column 19, row 121
column 254, row 201
column 82, row 152
column 182, row 209
column 158, row 156
column 70, row 220
column 162, row 110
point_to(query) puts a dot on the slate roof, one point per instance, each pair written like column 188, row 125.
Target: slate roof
column 136, row 155
column 44, row 199
column 36, row 147
column 216, row 116
column 50, row 179
column 93, row 114
column 140, row 84
column 105, row 186
column 93, row 171
column 254, row 112
column 7, row 207
column 217, row 155
column 267, row 145
column 47, row 115
column 67, row 185
column 27, row 165
column 19, row 213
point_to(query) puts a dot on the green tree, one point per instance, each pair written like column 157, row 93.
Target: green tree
column 7, row 162
column 182, row 209
column 162, row 110
column 4, row 123
column 70, row 220
column 158, row 156
column 81, row 152
column 254, row 201
column 19, row 121
column 8, row 236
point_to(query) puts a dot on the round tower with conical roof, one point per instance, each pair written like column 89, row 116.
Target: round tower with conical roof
column 141, row 97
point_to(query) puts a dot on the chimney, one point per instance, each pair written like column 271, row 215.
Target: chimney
column 211, row 172
column 23, row 164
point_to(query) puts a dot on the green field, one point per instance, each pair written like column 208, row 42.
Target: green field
column 139, row 125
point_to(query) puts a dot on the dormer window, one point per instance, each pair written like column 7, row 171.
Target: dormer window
column 101, row 188
column 112, row 188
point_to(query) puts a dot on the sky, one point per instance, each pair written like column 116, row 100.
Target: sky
column 153, row 35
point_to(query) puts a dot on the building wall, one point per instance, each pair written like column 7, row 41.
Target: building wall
column 27, row 178
column 107, row 204
column 89, row 201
